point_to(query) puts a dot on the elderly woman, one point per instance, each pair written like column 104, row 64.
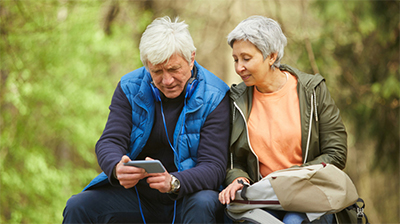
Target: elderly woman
column 281, row 117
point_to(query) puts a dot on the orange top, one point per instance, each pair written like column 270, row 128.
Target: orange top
column 275, row 129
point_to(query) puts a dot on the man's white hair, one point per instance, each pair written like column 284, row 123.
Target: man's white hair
column 163, row 38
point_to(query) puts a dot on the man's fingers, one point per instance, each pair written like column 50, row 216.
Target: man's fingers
column 132, row 176
column 128, row 184
column 125, row 159
column 159, row 181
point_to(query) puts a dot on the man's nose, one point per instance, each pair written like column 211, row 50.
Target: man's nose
column 167, row 78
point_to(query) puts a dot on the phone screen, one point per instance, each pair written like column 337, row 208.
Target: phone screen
column 151, row 166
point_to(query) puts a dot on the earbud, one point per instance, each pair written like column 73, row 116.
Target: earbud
column 155, row 92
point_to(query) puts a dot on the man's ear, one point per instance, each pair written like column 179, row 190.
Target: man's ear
column 192, row 60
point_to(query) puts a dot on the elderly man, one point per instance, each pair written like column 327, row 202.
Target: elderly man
column 172, row 110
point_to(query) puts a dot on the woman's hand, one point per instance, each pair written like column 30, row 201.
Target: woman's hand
column 228, row 194
column 128, row 176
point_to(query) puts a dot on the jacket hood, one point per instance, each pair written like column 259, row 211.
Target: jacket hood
column 309, row 81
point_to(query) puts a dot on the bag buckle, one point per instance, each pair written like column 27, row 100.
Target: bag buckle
column 244, row 189
column 360, row 212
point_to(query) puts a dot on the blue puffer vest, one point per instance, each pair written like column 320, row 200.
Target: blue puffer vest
column 208, row 94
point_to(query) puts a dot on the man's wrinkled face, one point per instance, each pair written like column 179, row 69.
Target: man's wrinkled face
column 170, row 77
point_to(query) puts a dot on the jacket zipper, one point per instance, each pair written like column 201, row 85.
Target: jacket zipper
column 309, row 129
column 248, row 141
column 312, row 111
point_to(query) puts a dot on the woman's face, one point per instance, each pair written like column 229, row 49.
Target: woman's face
column 249, row 63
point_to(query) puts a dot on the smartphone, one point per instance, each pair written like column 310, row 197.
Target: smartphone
column 151, row 166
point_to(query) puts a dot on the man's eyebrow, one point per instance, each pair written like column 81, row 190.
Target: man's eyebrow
column 155, row 70
column 174, row 67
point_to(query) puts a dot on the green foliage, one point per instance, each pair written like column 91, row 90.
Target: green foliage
column 56, row 85
column 359, row 51
column 61, row 61
column 363, row 40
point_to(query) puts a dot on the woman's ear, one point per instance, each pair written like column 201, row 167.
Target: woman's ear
column 272, row 58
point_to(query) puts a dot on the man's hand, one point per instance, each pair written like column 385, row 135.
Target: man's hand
column 228, row 194
column 159, row 181
column 128, row 176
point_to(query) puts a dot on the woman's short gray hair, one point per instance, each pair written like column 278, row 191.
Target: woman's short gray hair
column 163, row 38
column 265, row 33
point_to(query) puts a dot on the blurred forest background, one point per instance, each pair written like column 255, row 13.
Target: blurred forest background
column 61, row 61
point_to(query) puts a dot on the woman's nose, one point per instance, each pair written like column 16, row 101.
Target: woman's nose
column 240, row 67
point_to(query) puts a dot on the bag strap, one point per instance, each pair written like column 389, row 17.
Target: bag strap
column 244, row 190
column 359, row 210
column 257, row 216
